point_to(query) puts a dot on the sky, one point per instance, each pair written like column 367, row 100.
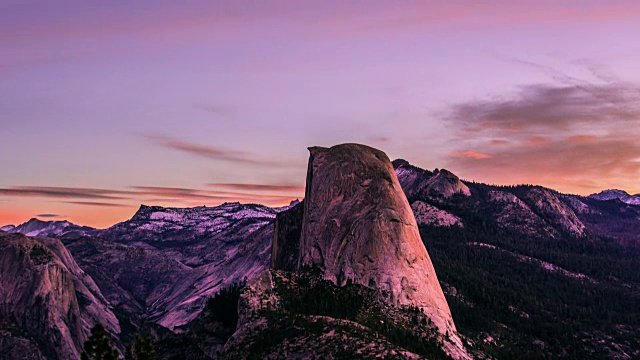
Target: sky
column 108, row 105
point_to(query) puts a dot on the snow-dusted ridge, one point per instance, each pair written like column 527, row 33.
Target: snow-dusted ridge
column 35, row 227
column 614, row 194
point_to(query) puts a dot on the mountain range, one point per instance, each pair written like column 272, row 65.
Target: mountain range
column 433, row 266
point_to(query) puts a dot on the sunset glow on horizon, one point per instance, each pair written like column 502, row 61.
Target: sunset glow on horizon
column 106, row 106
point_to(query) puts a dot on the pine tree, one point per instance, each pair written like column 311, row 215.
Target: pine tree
column 144, row 348
column 97, row 347
column 128, row 354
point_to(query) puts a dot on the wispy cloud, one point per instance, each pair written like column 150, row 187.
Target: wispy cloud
column 263, row 194
column 379, row 140
column 48, row 215
column 571, row 134
column 175, row 193
column 95, row 203
column 210, row 152
column 220, row 111
column 64, row 192
column 551, row 108
column 212, row 194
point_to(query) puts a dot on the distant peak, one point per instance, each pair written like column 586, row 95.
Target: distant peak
column 232, row 203
column 445, row 172
column 144, row 211
column 7, row 227
column 397, row 163
column 35, row 221
column 609, row 194
column 615, row 194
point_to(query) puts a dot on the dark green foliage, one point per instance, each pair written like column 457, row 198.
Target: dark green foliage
column 223, row 307
column 144, row 349
column 534, row 312
column 311, row 295
column 98, row 347
column 214, row 326
column 128, row 353
column 323, row 298
column 406, row 337
column 40, row 255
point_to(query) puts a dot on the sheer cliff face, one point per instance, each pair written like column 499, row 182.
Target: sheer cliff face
column 358, row 225
column 46, row 300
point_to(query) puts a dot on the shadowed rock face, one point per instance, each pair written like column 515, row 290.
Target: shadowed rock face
column 358, row 225
column 286, row 239
column 46, row 301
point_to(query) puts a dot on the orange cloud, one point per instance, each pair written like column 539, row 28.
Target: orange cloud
column 565, row 165
column 537, row 141
column 498, row 142
column 469, row 154
column 582, row 139
column 63, row 192
column 545, row 127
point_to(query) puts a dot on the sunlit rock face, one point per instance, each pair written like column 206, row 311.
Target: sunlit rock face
column 358, row 226
column 546, row 203
column 430, row 215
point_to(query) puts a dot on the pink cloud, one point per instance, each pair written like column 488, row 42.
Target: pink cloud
column 470, row 154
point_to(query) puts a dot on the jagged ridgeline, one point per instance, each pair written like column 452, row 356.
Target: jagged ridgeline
column 528, row 273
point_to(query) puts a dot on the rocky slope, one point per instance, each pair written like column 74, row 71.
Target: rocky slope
column 47, row 303
column 530, row 209
column 285, row 315
column 419, row 182
column 164, row 263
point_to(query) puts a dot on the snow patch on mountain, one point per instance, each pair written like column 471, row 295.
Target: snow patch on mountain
column 615, row 194
column 35, row 227
column 7, row 228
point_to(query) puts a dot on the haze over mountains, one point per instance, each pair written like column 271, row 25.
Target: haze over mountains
column 510, row 271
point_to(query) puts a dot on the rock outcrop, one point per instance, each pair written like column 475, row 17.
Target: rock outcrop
column 437, row 184
column 46, row 301
column 430, row 215
column 358, row 226
column 547, row 204
column 445, row 184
